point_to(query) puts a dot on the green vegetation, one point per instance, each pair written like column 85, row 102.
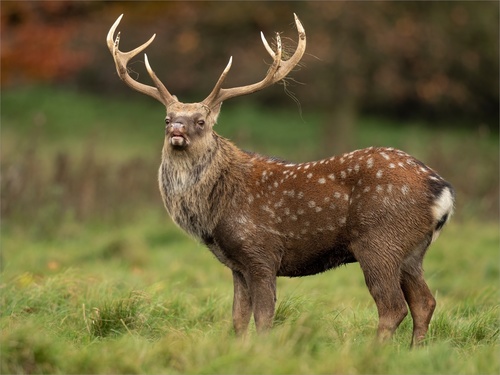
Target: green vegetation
column 95, row 278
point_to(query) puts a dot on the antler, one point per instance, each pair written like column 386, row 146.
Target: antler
column 159, row 92
column 278, row 70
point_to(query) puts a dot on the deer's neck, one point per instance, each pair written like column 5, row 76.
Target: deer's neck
column 198, row 187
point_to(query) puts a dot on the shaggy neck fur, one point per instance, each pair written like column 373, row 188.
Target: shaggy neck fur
column 193, row 184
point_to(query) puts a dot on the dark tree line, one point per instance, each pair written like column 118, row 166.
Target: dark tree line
column 437, row 59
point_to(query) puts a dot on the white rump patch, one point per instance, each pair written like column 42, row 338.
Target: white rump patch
column 443, row 205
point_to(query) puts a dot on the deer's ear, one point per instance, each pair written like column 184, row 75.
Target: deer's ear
column 215, row 111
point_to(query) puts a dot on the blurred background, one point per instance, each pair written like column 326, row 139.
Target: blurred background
column 79, row 145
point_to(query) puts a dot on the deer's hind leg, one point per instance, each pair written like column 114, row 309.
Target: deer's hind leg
column 417, row 293
column 382, row 277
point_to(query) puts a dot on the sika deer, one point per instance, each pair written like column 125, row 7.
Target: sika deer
column 265, row 218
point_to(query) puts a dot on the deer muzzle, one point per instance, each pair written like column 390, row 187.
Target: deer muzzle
column 178, row 135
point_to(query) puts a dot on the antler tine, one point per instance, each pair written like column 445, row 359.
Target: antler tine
column 159, row 92
column 160, row 86
column 219, row 83
column 268, row 48
column 278, row 70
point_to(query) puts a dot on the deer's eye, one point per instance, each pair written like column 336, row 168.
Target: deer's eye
column 167, row 121
column 201, row 123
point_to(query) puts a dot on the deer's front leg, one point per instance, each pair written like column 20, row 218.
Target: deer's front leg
column 263, row 295
column 242, row 304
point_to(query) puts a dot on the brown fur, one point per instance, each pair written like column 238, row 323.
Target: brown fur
column 264, row 218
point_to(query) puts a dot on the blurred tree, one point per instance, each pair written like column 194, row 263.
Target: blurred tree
column 36, row 41
column 431, row 59
column 434, row 59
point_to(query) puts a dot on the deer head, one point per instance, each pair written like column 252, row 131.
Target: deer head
column 187, row 124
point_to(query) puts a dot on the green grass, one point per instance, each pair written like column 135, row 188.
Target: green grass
column 68, row 306
column 95, row 278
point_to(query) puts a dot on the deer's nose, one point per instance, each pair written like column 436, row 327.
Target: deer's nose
column 179, row 126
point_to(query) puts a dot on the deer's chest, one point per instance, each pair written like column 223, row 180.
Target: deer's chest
column 192, row 198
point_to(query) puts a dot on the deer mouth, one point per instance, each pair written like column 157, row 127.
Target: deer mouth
column 178, row 140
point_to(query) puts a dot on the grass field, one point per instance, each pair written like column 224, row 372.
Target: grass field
column 95, row 278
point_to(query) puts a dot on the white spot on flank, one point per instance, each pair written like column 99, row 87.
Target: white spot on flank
column 300, row 195
column 385, row 156
column 267, row 209
column 379, row 173
column 356, row 168
column 369, row 163
column 331, row 177
column 311, row 204
column 250, row 198
column 318, row 209
column 300, row 211
column 405, row 189
column 309, row 175
column 366, row 189
column 275, row 184
column 306, row 166
column 343, row 174
column 243, row 220
column 336, row 195
column 346, row 197
column 342, row 221
column 392, row 166
column 379, row 189
column 322, row 180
